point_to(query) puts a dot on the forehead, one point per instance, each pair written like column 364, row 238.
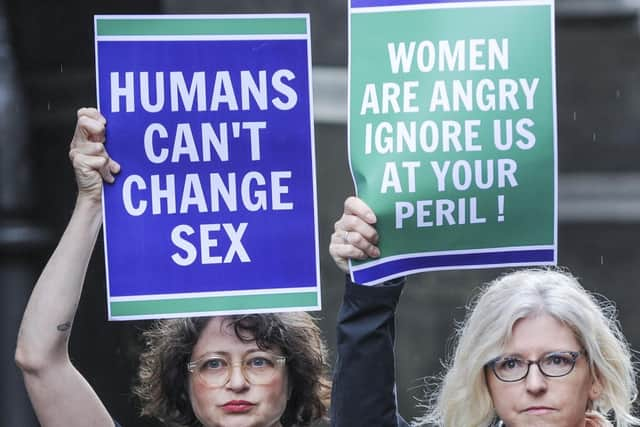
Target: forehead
column 219, row 336
column 540, row 334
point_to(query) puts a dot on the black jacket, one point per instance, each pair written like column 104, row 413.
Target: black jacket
column 364, row 380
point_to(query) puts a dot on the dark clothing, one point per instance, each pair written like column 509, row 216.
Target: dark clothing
column 364, row 380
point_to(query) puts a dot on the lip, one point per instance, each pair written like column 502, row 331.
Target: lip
column 237, row 406
column 538, row 410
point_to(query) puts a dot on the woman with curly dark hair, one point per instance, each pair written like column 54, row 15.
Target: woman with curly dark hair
column 256, row 370
column 298, row 394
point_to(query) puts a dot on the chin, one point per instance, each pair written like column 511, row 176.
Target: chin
column 541, row 420
column 241, row 420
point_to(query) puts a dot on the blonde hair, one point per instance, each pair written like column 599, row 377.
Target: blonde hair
column 462, row 397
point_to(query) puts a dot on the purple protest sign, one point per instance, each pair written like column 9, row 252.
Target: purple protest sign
column 214, row 210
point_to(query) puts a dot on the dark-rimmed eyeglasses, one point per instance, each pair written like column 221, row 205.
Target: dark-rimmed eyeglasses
column 257, row 368
column 514, row 368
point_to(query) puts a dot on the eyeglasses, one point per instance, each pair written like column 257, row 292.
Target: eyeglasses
column 256, row 368
column 512, row 368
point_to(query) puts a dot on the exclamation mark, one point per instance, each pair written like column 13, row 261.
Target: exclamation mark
column 500, row 208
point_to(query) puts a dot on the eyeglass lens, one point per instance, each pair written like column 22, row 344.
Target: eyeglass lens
column 257, row 369
column 514, row 368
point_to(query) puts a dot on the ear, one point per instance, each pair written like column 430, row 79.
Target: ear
column 596, row 388
column 594, row 392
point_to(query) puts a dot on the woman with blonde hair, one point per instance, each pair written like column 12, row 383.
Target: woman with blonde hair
column 535, row 350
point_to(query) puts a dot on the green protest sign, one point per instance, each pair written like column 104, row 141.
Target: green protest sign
column 452, row 132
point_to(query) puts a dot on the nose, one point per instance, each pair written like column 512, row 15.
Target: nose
column 535, row 381
column 237, row 381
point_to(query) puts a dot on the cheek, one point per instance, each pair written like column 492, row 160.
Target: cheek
column 500, row 394
column 200, row 397
column 277, row 393
column 274, row 397
column 581, row 389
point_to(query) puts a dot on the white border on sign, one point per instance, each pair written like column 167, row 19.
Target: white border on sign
column 307, row 36
column 149, row 297
column 222, row 37
column 452, row 5
column 456, row 252
column 216, row 313
column 460, row 5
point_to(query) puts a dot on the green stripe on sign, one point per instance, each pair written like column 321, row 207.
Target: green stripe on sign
column 225, row 303
column 196, row 27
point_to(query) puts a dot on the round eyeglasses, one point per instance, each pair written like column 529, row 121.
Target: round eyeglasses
column 513, row 368
column 256, row 368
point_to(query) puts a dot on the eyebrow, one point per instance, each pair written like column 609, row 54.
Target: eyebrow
column 227, row 354
column 545, row 353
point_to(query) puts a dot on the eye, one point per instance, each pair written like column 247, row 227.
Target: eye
column 558, row 360
column 509, row 363
column 214, row 364
column 259, row 362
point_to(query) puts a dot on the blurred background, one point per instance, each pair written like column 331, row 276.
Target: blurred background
column 47, row 72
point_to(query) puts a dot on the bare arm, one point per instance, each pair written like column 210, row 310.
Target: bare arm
column 58, row 392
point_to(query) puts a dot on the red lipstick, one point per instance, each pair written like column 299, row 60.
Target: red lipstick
column 237, row 406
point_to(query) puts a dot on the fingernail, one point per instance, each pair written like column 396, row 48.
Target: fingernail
column 376, row 252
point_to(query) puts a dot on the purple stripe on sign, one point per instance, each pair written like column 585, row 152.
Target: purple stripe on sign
column 442, row 261
column 377, row 3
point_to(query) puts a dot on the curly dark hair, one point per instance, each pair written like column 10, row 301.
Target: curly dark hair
column 162, row 384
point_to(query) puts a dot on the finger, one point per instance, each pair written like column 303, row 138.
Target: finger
column 85, row 164
column 106, row 175
column 357, row 241
column 85, row 161
column 81, row 153
column 91, row 112
column 91, row 149
column 342, row 252
column 352, row 223
column 90, row 128
column 83, row 135
column 100, row 165
column 356, row 206
column 114, row 166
